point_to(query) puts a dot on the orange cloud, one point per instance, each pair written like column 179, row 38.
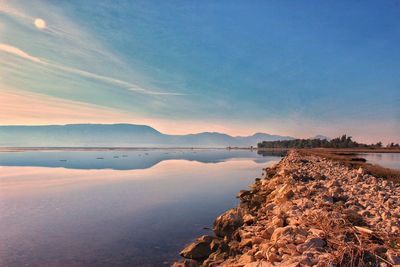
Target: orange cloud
column 21, row 107
column 18, row 52
column 27, row 108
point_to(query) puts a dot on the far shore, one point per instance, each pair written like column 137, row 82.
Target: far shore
column 328, row 150
column 335, row 150
column 22, row 149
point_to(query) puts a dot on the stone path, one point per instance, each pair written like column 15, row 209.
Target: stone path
column 306, row 211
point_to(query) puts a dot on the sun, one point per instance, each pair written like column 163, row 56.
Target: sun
column 40, row 23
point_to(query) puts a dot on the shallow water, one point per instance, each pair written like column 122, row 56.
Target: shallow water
column 388, row 160
column 115, row 208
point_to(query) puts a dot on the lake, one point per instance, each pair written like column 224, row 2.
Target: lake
column 115, row 207
column 388, row 160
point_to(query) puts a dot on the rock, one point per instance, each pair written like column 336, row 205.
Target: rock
column 243, row 194
column 281, row 231
column 276, row 222
column 269, row 206
column 259, row 255
column 244, row 234
column 259, row 264
column 319, row 176
column 299, row 213
column 248, row 219
column 303, row 203
column 186, row 263
column 206, row 238
column 308, row 260
column 289, row 249
column 212, row 263
column 198, row 250
column 317, row 232
column 314, row 242
column 216, row 256
column 245, row 259
column 228, row 222
column 257, row 200
column 327, row 199
column 245, row 243
column 274, row 257
column 267, row 233
column 257, row 239
column 219, row 245
column 288, row 195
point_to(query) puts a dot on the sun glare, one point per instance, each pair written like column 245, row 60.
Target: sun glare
column 40, row 23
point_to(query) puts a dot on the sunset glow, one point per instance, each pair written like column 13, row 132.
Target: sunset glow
column 89, row 67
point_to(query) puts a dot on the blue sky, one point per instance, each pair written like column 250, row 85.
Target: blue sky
column 286, row 67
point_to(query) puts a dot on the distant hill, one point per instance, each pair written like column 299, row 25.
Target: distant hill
column 321, row 137
column 119, row 135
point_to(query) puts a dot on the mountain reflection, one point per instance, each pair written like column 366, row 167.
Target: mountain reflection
column 127, row 159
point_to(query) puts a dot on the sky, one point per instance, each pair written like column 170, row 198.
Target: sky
column 296, row 68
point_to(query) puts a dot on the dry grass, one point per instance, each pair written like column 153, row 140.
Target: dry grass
column 350, row 242
column 347, row 245
column 350, row 159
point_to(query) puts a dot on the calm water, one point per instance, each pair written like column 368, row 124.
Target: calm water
column 114, row 208
column 389, row 160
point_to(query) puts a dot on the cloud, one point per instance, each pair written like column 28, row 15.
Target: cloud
column 20, row 107
column 77, row 43
column 18, row 52
column 5, row 7
column 23, row 107
column 69, row 32
column 127, row 85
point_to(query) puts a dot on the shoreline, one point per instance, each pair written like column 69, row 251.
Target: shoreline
column 339, row 150
column 316, row 150
column 307, row 210
column 23, row 149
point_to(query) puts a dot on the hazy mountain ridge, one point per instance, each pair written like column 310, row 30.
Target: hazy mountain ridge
column 321, row 137
column 119, row 135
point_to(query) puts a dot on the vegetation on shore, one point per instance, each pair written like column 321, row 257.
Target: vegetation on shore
column 342, row 149
column 340, row 142
column 352, row 160
column 307, row 210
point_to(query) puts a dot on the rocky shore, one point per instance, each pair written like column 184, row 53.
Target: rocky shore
column 306, row 211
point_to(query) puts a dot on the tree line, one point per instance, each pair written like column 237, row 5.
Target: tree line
column 340, row 142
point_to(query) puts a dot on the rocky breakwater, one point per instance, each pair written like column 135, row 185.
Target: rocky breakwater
column 306, row 211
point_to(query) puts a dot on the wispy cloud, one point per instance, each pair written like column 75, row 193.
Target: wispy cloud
column 77, row 43
column 5, row 7
column 21, row 107
column 69, row 32
column 18, row 52
column 127, row 85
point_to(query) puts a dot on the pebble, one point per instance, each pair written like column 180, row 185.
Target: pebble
column 284, row 219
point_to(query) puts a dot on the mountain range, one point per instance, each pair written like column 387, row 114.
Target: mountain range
column 120, row 135
column 321, row 137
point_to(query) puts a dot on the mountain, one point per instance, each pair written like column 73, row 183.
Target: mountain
column 119, row 135
column 321, row 137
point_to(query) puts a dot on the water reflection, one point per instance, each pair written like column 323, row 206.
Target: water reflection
column 118, row 214
column 125, row 159
column 388, row 160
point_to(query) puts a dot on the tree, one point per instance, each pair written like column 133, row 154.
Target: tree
column 343, row 141
column 379, row 144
